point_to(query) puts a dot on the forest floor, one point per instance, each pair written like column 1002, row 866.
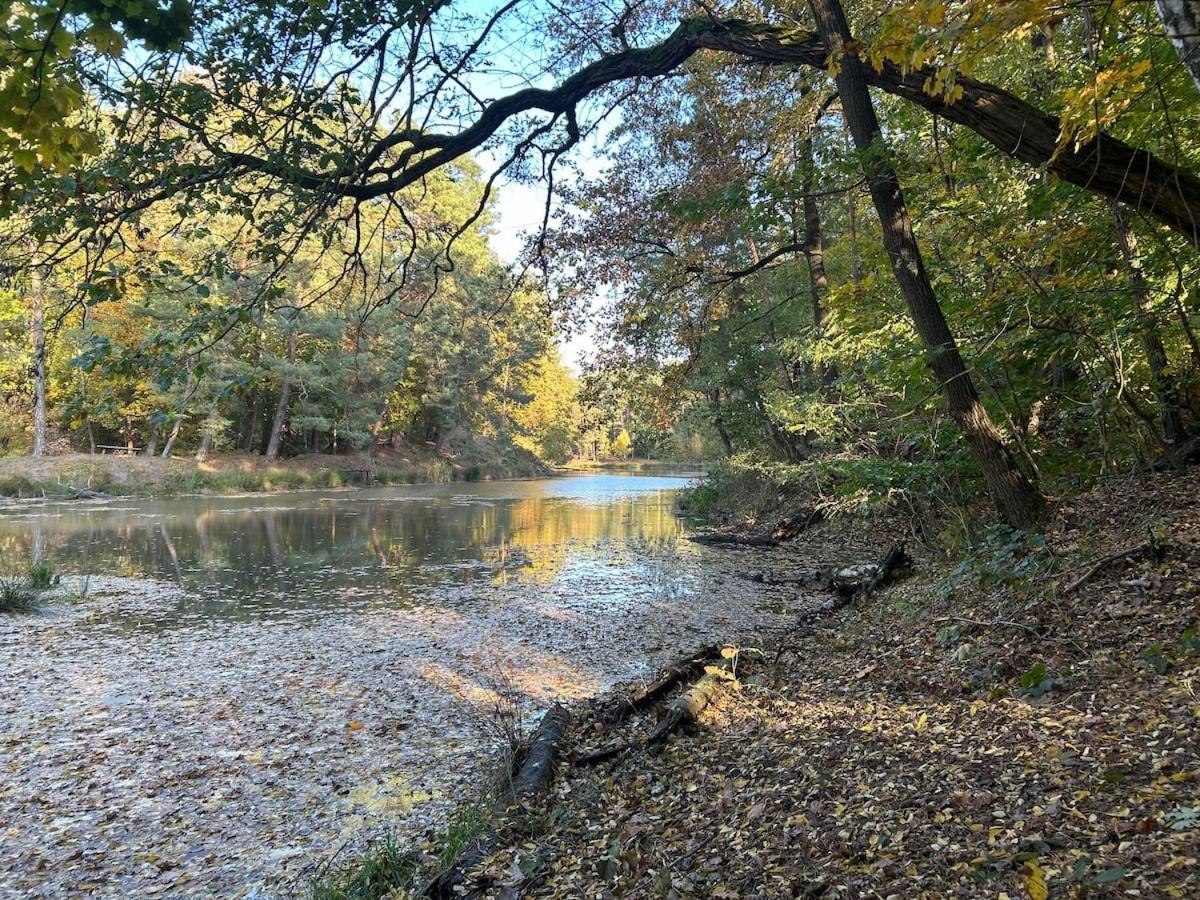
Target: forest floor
column 984, row 729
column 124, row 475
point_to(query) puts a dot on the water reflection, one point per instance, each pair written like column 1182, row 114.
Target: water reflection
column 316, row 552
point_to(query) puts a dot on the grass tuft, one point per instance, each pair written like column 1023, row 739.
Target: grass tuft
column 387, row 869
column 17, row 595
column 41, row 576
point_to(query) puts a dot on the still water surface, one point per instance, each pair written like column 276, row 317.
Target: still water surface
column 241, row 686
column 317, row 553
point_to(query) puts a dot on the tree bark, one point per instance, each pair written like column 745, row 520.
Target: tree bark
column 285, row 395
column 38, row 335
column 207, row 434
column 814, row 255
column 170, row 444
column 1169, row 409
column 151, row 439
column 1181, row 20
column 1016, row 499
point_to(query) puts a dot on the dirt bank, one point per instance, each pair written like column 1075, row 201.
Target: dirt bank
column 63, row 476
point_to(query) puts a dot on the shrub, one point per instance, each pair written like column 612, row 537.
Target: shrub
column 16, row 486
column 384, row 867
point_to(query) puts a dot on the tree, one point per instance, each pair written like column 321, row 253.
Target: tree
column 1017, row 500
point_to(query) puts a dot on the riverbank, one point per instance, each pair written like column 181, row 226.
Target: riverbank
column 1017, row 722
column 65, row 476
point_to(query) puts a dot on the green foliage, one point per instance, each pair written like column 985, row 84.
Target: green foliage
column 17, row 486
column 41, row 576
column 1001, row 557
column 384, row 867
column 1038, row 681
column 388, row 868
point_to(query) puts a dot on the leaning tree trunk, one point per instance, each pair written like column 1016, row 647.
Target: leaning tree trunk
column 38, row 335
column 1165, row 392
column 1017, row 500
column 1181, row 20
column 171, row 438
column 285, row 396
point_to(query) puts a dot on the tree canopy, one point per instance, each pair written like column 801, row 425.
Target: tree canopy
column 774, row 184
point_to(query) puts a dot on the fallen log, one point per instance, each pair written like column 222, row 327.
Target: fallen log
column 529, row 782
column 785, row 530
column 88, row 494
column 849, row 584
column 885, row 573
column 729, row 539
column 683, row 711
column 792, row 527
column 683, row 668
column 687, row 707
column 534, row 775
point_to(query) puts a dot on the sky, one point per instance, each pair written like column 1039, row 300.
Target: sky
column 517, row 62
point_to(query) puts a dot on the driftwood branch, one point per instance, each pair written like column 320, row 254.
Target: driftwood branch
column 674, row 673
column 683, row 711
column 785, row 530
column 847, row 589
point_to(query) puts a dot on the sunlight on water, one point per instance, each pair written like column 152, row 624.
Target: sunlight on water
column 314, row 553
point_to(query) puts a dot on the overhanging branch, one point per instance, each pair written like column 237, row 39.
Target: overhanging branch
column 1105, row 165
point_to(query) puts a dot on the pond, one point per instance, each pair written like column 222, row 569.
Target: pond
column 233, row 688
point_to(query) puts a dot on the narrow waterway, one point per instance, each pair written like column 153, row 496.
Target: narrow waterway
column 233, row 688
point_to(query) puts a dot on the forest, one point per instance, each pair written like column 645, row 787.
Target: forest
column 291, row 255
column 915, row 284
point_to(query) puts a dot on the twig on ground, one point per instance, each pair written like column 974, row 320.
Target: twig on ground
column 1105, row 561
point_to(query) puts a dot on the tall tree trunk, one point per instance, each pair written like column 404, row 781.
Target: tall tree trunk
column 1169, row 410
column 714, row 398
column 1181, row 20
column 38, row 334
column 1016, row 499
column 856, row 269
column 814, row 254
column 151, row 439
column 285, row 396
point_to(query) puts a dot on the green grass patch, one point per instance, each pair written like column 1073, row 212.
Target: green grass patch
column 388, row 868
column 41, row 576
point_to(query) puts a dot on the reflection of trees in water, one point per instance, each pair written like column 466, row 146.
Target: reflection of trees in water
column 336, row 550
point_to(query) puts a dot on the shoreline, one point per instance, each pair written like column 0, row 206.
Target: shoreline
column 961, row 736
